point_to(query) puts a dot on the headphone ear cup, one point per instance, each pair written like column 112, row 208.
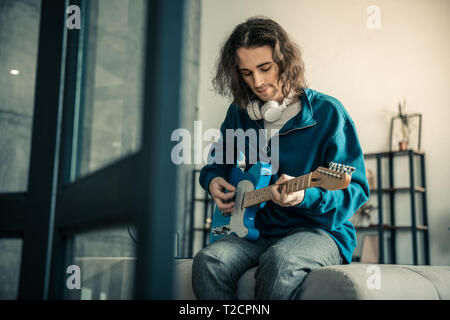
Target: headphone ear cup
column 254, row 111
column 271, row 110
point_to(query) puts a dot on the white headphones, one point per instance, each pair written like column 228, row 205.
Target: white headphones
column 270, row 111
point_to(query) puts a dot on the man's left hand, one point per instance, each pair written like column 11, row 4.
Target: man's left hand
column 283, row 198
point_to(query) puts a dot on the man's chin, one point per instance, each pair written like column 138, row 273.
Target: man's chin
column 266, row 97
column 269, row 96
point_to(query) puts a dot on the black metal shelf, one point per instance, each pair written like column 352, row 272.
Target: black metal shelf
column 392, row 191
column 393, row 154
column 403, row 189
column 389, row 227
column 204, row 199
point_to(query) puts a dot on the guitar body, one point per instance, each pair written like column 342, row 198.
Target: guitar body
column 242, row 220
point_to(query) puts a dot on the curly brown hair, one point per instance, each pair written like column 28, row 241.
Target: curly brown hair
column 257, row 32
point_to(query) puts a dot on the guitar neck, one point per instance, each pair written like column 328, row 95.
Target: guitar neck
column 254, row 197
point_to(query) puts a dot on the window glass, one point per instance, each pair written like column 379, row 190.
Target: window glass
column 104, row 261
column 109, row 98
column 19, row 30
column 11, row 257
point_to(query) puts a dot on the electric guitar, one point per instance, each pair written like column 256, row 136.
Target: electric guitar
column 253, row 191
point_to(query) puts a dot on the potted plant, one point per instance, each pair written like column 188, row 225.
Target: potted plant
column 406, row 131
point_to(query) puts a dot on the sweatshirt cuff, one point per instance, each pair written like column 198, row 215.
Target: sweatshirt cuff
column 313, row 199
column 207, row 180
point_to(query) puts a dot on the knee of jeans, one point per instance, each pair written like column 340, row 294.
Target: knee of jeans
column 276, row 262
column 270, row 262
column 201, row 258
column 204, row 259
column 272, row 256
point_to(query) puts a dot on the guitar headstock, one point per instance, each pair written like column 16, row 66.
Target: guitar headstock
column 336, row 177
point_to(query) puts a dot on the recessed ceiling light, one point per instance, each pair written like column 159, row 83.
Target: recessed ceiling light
column 14, row 72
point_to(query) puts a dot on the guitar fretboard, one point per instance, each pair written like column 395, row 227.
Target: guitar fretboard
column 252, row 198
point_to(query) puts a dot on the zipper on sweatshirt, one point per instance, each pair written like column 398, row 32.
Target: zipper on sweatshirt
column 284, row 133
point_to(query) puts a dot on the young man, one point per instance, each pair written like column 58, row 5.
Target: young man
column 300, row 231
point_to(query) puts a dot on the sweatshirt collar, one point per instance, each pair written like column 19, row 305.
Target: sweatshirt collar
column 305, row 117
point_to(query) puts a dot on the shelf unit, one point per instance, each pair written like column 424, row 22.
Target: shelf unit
column 413, row 189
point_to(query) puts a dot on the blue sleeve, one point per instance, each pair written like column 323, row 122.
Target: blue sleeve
column 332, row 208
column 217, row 166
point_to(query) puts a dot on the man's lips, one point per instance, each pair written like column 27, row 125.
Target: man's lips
column 263, row 89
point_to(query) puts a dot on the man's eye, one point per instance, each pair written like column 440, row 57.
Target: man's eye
column 265, row 70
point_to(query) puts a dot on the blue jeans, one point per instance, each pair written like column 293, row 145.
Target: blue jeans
column 283, row 263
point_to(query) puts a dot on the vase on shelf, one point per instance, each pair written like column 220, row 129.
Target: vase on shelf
column 403, row 145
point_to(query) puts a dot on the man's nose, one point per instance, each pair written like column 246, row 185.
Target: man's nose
column 258, row 79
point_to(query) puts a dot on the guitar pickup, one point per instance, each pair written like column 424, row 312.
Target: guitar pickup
column 218, row 231
column 227, row 214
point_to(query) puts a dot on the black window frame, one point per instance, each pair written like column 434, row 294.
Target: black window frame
column 138, row 189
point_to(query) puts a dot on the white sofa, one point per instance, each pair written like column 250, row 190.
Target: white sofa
column 345, row 282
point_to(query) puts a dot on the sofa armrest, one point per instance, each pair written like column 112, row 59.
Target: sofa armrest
column 359, row 281
column 182, row 289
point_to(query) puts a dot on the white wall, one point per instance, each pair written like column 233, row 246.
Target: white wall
column 369, row 71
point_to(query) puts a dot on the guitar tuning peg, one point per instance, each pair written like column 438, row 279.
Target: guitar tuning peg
column 341, row 168
column 350, row 169
column 338, row 167
column 332, row 165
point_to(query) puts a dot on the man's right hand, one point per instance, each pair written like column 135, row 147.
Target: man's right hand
column 217, row 188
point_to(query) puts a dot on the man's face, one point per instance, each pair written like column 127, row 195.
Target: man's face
column 260, row 72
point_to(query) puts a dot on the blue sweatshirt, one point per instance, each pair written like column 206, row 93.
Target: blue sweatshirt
column 322, row 132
